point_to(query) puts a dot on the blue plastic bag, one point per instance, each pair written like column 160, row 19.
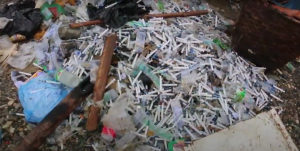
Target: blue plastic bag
column 38, row 97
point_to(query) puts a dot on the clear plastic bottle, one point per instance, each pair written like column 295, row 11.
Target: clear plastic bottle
column 67, row 78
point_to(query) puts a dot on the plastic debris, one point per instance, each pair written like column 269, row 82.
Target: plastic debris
column 50, row 10
column 26, row 19
column 118, row 13
column 24, row 56
column 42, row 87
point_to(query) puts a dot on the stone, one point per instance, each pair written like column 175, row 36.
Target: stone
column 11, row 146
column 28, row 127
column 21, row 134
column 53, row 148
column 7, row 124
column 10, row 102
column 2, row 120
column 12, row 118
column 12, row 130
column 16, row 138
column 17, row 105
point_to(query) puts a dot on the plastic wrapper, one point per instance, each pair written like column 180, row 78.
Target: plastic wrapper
column 41, row 48
column 81, row 11
column 231, row 89
column 24, row 56
column 147, row 2
column 38, row 97
column 219, row 74
column 108, row 134
column 3, row 22
column 225, row 66
column 140, row 41
column 126, row 139
column 110, row 95
column 177, row 111
column 157, row 5
column 94, row 66
column 117, row 15
column 188, row 79
column 52, row 33
column 142, row 117
column 5, row 43
column 17, row 78
column 140, row 65
column 117, row 117
column 267, row 87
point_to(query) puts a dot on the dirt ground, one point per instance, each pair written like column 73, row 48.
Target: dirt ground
column 288, row 80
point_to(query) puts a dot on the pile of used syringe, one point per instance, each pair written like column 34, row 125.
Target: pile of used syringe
column 179, row 83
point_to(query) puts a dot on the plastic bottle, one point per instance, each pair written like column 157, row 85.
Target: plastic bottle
column 67, row 78
column 240, row 94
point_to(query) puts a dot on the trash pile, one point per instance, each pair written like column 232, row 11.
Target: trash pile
column 171, row 81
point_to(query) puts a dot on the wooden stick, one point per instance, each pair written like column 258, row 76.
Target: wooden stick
column 99, row 89
column 184, row 14
column 88, row 23
column 172, row 15
column 47, row 126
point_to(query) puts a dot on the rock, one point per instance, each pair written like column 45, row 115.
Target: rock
column 28, row 127
column 7, row 124
column 2, row 120
column 297, row 121
column 10, row 102
column 12, row 130
column 16, row 138
column 21, row 134
column 11, row 146
column 12, row 118
column 17, row 105
column 21, row 129
column 54, row 148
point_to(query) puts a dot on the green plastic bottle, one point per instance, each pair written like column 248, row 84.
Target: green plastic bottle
column 240, row 94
